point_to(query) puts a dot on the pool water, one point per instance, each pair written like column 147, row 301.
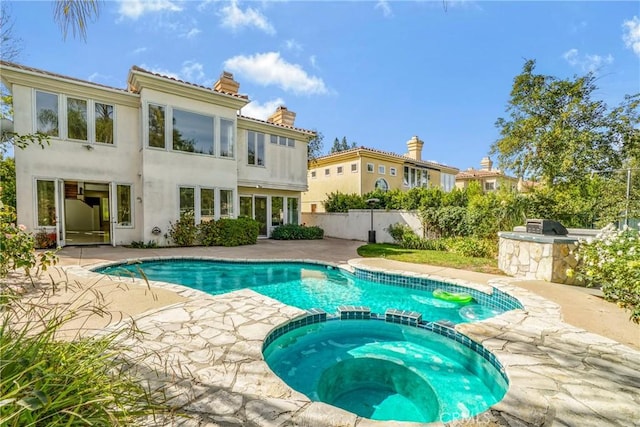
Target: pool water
column 303, row 285
column 386, row 371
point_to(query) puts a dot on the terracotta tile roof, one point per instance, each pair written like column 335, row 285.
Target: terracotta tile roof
column 142, row 70
column 387, row 153
column 473, row 173
column 310, row 132
column 59, row 76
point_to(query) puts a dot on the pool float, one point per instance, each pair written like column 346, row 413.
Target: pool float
column 460, row 298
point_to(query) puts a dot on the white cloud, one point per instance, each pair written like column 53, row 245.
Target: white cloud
column 139, row 50
column 631, row 34
column 384, row 6
column 192, row 33
column 270, row 69
column 586, row 62
column 235, row 18
column 133, row 9
column 261, row 111
column 291, row 44
column 314, row 61
column 192, row 71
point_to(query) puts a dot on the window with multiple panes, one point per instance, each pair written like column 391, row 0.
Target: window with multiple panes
column 313, row 174
column 415, row 177
column 381, row 169
column 393, row 171
column 382, row 185
column 47, row 113
column 340, row 169
column 489, row 186
column 255, row 148
column 370, row 167
column 354, row 167
column 327, row 172
column 281, row 140
column 192, row 132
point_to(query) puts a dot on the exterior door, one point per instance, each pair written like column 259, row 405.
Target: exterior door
column 113, row 213
column 261, row 214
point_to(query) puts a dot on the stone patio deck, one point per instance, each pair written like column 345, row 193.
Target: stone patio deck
column 209, row 350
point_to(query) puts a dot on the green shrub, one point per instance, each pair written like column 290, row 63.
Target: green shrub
column 612, row 261
column 231, row 232
column 297, row 232
column 208, row 233
column 184, row 231
column 471, row 247
column 339, row 202
column 151, row 244
column 405, row 237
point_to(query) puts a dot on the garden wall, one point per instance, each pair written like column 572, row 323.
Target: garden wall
column 355, row 224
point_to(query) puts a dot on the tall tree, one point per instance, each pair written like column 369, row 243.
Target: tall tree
column 341, row 145
column 557, row 132
column 314, row 146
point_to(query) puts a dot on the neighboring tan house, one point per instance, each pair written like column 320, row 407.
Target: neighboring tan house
column 489, row 179
column 362, row 170
column 122, row 164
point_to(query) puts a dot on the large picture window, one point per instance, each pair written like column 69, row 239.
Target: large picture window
column 104, row 123
column 156, row 126
column 77, row 119
column 277, row 211
column 226, row 138
column 123, row 195
column 192, row 132
column 47, row 113
column 46, row 203
column 255, row 148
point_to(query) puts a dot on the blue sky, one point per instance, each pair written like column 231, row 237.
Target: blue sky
column 377, row 72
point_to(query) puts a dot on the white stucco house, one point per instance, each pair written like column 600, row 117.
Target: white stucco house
column 122, row 164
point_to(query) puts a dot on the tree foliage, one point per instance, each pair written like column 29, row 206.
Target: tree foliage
column 314, row 146
column 342, row 145
column 74, row 15
column 556, row 131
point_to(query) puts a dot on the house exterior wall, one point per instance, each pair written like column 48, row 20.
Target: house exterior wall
column 153, row 174
column 362, row 181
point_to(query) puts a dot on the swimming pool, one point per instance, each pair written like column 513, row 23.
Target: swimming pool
column 308, row 286
column 386, row 371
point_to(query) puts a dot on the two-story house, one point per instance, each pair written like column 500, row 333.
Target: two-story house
column 122, row 164
column 362, row 170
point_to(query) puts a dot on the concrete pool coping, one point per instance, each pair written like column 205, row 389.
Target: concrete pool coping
column 559, row 374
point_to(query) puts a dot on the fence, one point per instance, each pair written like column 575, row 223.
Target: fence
column 356, row 224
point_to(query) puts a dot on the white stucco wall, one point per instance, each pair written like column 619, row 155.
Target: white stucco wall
column 355, row 224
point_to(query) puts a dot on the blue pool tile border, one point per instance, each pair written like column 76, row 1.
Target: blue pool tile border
column 496, row 299
column 316, row 316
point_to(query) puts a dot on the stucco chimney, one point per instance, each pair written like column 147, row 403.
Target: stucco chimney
column 226, row 83
column 486, row 164
column 415, row 148
column 282, row 116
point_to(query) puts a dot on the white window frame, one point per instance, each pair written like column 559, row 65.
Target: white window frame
column 370, row 167
column 354, row 167
column 381, row 170
column 89, row 106
column 393, row 171
column 264, row 149
column 217, row 137
column 313, row 174
column 327, row 171
column 168, row 129
column 61, row 114
column 340, row 170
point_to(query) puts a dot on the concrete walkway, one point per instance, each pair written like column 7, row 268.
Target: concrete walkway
column 206, row 350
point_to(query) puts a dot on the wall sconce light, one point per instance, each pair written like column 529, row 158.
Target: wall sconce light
column 139, row 199
column 89, row 147
column 156, row 230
